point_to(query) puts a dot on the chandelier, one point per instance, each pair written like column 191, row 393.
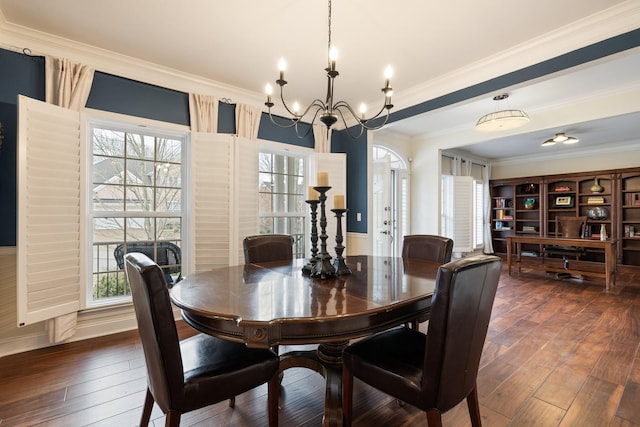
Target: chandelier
column 329, row 110
column 502, row 120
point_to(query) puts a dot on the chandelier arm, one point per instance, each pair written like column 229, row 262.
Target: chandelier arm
column 346, row 127
column 309, row 127
column 282, row 125
column 317, row 103
column 363, row 120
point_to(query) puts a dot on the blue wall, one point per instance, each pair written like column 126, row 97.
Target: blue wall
column 25, row 75
column 22, row 74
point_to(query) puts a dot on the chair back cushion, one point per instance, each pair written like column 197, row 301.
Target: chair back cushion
column 157, row 328
column 460, row 313
column 427, row 247
column 267, row 248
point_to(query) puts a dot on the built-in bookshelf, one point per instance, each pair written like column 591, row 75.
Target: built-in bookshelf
column 609, row 199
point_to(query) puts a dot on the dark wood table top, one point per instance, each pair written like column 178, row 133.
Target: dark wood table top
column 274, row 303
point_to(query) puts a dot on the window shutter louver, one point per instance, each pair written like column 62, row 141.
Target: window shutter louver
column 245, row 192
column 50, row 235
column 211, row 160
column 463, row 214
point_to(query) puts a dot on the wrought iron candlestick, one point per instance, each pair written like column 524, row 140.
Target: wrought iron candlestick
column 308, row 267
column 323, row 267
column 338, row 262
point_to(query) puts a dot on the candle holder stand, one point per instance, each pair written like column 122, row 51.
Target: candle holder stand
column 338, row 262
column 308, row 267
column 323, row 267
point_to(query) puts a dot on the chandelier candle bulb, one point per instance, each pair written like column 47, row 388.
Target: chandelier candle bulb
column 338, row 201
column 323, row 179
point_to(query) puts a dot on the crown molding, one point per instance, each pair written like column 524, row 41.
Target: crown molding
column 17, row 38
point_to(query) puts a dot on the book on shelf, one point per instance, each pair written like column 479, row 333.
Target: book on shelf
column 507, row 217
column 595, row 200
column 562, row 188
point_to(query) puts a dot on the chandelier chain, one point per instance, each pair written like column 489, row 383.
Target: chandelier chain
column 329, row 38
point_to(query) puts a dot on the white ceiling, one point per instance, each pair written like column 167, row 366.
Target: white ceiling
column 435, row 48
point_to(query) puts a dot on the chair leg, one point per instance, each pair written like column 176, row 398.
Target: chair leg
column 232, row 402
column 172, row 419
column 146, row 409
column 474, row 408
column 273, row 396
column 434, row 418
column 347, row 397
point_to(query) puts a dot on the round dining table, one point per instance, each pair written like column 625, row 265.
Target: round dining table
column 270, row 304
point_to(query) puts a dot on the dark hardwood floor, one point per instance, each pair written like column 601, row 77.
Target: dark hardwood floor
column 558, row 353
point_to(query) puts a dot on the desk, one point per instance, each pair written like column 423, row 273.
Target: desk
column 609, row 245
column 273, row 303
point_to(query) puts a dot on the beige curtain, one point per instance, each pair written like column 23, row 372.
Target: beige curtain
column 203, row 112
column 486, row 176
column 322, row 138
column 67, row 85
column 247, row 121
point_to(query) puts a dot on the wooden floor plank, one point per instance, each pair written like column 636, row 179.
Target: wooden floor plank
column 558, row 353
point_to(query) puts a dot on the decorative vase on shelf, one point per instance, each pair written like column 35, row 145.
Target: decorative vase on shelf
column 596, row 187
column 529, row 203
column 603, row 232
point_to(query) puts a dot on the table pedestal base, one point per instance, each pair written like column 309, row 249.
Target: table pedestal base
column 327, row 361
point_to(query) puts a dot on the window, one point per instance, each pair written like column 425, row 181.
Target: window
column 137, row 204
column 282, row 194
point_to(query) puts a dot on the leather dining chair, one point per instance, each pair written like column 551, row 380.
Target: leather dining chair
column 437, row 370
column 195, row 372
column 267, row 248
column 426, row 247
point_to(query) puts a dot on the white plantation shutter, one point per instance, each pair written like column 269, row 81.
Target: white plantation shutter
column 335, row 164
column 245, row 192
column 463, row 190
column 50, row 197
column 210, row 205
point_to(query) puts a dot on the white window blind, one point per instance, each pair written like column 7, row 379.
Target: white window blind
column 463, row 191
column 50, row 205
column 244, row 186
column 211, row 160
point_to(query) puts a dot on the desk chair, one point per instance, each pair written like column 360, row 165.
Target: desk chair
column 430, row 248
column 267, row 248
column 436, row 371
column 571, row 227
column 199, row 371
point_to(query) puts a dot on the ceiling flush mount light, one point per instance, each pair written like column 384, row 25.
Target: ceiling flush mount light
column 560, row 137
column 503, row 119
column 329, row 110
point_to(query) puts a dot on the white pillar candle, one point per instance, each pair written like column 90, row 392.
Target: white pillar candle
column 313, row 194
column 323, row 179
column 338, row 201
